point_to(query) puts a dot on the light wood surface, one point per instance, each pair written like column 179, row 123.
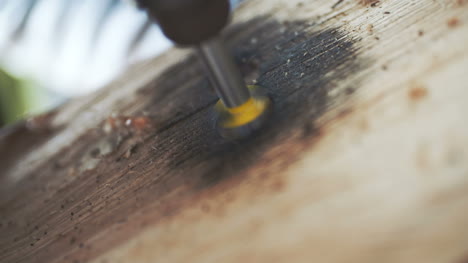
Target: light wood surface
column 365, row 159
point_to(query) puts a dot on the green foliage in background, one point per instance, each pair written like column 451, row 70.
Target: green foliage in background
column 19, row 98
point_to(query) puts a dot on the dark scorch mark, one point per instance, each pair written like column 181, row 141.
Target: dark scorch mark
column 298, row 64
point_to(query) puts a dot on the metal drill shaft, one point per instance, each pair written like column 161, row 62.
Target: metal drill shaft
column 223, row 73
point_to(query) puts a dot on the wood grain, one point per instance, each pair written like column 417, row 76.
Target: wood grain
column 364, row 160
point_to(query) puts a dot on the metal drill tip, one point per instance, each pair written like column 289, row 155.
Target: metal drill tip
column 242, row 109
column 243, row 121
column 223, row 73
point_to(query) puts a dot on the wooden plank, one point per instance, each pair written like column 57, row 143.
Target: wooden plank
column 364, row 160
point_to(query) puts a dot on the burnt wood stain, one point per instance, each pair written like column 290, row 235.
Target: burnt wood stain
column 298, row 69
column 182, row 159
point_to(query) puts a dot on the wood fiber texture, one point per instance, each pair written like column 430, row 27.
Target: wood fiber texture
column 365, row 158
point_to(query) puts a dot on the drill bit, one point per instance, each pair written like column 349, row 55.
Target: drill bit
column 241, row 109
column 223, row 73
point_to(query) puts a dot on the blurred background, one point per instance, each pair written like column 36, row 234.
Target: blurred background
column 53, row 50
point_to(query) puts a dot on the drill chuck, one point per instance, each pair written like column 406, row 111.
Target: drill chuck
column 189, row 22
